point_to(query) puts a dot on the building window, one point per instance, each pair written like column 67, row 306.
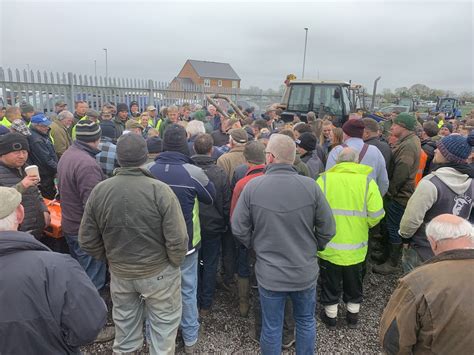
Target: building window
column 207, row 83
column 219, row 83
column 234, row 84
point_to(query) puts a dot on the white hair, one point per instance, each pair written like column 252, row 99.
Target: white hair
column 347, row 155
column 440, row 229
column 65, row 114
column 195, row 127
column 283, row 148
column 9, row 223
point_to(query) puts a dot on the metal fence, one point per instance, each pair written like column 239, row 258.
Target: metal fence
column 42, row 90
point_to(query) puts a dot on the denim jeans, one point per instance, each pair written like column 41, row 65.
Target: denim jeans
column 243, row 268
column 95, row 269
column 158, row 299
column 189, row 281
column 394, row 213
column 410, row 259
column 208, row 262
column 273, row 308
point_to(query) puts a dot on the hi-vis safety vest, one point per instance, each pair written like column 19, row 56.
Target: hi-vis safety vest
column 356, row 205
column 421, row 167
column 5, row 122
column 73, row 134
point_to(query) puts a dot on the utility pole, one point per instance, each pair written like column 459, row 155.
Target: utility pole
column 304, row 55
column 95, row 68
column 106, row 66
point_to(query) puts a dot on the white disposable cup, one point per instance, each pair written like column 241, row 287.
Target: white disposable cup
column 32, row 170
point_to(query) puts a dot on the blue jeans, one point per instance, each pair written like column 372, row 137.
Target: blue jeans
column 95, row 269
column 393, row 216
column 273, row 309
column 189, row 281
column 208, row 262
column 243, row 268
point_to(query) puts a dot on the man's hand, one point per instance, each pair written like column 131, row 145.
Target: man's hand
column 47, row 219
column 30, row 181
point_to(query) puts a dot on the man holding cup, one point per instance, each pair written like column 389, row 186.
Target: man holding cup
column 14, row 173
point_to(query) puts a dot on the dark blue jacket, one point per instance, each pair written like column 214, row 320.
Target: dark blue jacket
column 42, row 153
column 191, row 186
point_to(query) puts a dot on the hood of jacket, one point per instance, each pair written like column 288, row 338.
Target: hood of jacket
column 171, row 157
column 350, row 168
column 12, row 242
column 86, row 148
column 202, row 160
column 457, row 181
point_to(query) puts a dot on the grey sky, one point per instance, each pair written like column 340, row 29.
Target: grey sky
column 404, row 42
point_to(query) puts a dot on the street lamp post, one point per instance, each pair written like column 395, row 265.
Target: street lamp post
column 304, row 56
column 106, row 66
column 95, row 67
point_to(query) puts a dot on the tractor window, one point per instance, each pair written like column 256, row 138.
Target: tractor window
column 346, row 103
column 325, row 95
column 299, row 98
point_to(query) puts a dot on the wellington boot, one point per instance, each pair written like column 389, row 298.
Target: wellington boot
column 391, row 265
column 244, row 295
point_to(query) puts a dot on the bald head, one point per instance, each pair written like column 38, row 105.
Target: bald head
column 283, row 148
column 347, row 155
column 447, row 232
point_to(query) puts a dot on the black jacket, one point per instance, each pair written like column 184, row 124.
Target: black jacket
column 48, row 305
column 30, row 199
column 429, row 148
column 42, row 153
column 214, row 218
column 383, row 147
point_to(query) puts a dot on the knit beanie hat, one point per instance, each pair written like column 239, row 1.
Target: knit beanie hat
column 254, row 152
column 456, row 148
column 449, row 126
column 175, row 140
column 154, row 144
column 87, row 131
column 131, row 150
column 122, row 107
column 12, row 142
column 307, row 141
column 354, row 128
column 406, row 120
column 25, row 107
column 108, row 129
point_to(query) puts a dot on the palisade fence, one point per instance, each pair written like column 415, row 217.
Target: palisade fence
column 42, row 90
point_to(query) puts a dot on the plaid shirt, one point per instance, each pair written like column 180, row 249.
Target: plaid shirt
column 107, row 158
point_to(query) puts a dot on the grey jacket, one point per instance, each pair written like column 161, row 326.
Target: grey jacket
column 48, row 305
column 286, row 219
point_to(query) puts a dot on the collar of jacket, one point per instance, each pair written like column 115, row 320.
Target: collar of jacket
column 19, row 170
column 45, row 135
column 119, row 121
column 201, row 159
column 407, row 137
column 171, row 157
column 372, row 139
column 280, row 169
column 455, row 254
column 350, row 168
column 104, row 139
column 132, row 171
column 13, row 241
column 307, row 154
column 461, row 168
column 239, row 148
column 86, row 148
column 255, row 169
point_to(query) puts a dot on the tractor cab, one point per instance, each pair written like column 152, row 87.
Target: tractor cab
column 323, row 97
column 449, row 106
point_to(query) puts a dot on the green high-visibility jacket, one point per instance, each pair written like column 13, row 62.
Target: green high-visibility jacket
column 357, row 205
column 5, row 122
column 74, row 128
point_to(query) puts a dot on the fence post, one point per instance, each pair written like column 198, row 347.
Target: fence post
column 151, row 96
column 71, row 99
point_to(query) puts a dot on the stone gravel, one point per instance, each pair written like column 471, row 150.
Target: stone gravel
column 225, row 332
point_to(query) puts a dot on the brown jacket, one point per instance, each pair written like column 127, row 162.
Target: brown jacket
column 61, row 138
column 229, row 161
column 432, row 309
column 403, row 168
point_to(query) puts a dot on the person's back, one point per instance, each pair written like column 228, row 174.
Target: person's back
column 314, row 164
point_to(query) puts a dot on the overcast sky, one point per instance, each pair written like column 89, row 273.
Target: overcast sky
column 406, row 43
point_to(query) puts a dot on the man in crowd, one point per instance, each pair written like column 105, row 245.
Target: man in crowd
column 306, row 145
column 27, row 111
column 120, row 119
column 214, row 220
column 78, row 174
column 402, row 171
column 448, row 189
column 107, row 157
column 368, row 155
column 357, row 205
column 430, row 129
column 431, row 310
column 134, row 109
column 43, row 155
column 12, row 113
column 172, row 118
column 80, row 108
column 214, row 117
column 59, row 106
column 235, row 156
column 134, row 127
column 144, row 248
column 48, row 305
column 285, row 267
column 221, row 135
column 372, row 137
column 191, row 185
column 155, row 120
column 60, row 132
column 13, row 156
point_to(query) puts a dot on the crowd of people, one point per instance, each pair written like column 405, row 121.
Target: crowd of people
column 162, row 206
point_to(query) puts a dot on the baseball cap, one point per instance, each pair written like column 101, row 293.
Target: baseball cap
column 41, row 119
column 151, row 108
column 239, row 135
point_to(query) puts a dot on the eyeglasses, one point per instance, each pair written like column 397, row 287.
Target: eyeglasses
column 270, row 153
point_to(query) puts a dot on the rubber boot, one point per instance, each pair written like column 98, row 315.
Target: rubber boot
column 391, row 265
column 244, row 295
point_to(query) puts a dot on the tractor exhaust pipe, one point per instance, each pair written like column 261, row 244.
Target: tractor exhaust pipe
column 374, row 93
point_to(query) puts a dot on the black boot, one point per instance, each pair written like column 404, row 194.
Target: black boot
column 391, row 265
column 352, row 319
column 331, row 323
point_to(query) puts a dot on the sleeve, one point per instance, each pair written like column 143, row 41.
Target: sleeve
column 382, row 175
column 420, row 202
column 399, row 325
column 84, row 313
column 235, row 197
column 375, row 211
column 173, row 227
column 324, row 223
column 226, row 198
column 206, row 192
column 332, row 158
column 402, row 165
column 41, row 154
column 241, row 220
column 90, row 237
column 60, row 144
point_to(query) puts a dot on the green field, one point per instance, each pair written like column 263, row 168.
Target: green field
column 466, row 109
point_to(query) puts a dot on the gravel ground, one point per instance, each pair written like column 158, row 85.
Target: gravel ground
column 225, row 332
